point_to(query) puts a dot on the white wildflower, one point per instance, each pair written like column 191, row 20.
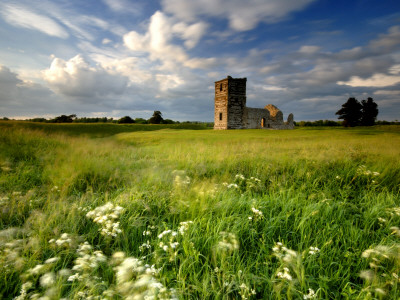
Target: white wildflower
column 165, row 232
column 47, row 279
column 181, row 179
column 106, row 217
column 228, row 242
column 145, row 246
column 52, row 260
column 232, row 186
column 311, row 294
column 240, row 176
column 36, row 270
column 285, row 274
column 313, row 250
column 184, row 226
column 75, row 277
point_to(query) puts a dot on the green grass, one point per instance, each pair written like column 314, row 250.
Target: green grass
column 244, row 192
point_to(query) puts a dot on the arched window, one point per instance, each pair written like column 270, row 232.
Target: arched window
column 220, row 116
column 262, row 122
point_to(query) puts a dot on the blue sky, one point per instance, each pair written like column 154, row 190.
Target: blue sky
column 120, row 57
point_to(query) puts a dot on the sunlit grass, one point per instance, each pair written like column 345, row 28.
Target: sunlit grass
column 251, row 214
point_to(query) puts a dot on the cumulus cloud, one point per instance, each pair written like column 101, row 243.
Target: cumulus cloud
column 376, row 80
column 242, row 15
column 77, row 78
column 23, row 17
column 157, row 42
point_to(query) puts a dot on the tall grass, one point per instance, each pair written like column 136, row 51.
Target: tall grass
column 256, row 214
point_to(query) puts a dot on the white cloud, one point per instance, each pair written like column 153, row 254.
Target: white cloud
column 309, row 49
column 123, row 6
column 157, row 42
column 376, row 80
column 22, row 17
column 190, row 33
column 77, row 78
column 242, row 15
column 387, row 42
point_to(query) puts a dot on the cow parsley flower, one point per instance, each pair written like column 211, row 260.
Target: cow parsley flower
column 106, row 216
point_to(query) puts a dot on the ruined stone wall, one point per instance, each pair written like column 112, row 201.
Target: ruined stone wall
column 256, row 118
column 284, row 125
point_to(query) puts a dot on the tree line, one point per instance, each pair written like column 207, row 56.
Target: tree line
column 156, row 118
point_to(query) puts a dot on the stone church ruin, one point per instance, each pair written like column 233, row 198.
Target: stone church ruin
column 230, row 111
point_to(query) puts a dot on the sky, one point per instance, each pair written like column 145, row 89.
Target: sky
column 112, row 58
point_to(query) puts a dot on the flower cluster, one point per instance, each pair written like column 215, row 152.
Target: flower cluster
column 311, row 294
column 246, row 292
column 169, row 243
column 181, row 180
column 87, row 261
column 11, row 252
column 244, row 184
column 287, row 255
column 313, row 250
column 184, row 226
column 45, row 276
column 384, row 269
column 106, row 216
column 257, row 214
column 362, row 170
column 285, row 274
column 394, row 211
column 136, row 280
column 65, row 241
column 228, row 242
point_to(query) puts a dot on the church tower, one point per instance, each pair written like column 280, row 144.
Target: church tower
column 229, row 103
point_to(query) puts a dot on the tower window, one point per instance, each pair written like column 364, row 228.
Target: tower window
column 220, row 116
column 220, row 88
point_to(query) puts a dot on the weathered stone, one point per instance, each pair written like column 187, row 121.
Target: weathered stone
column 230, row 111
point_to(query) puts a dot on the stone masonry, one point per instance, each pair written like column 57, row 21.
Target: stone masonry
column 230, row 111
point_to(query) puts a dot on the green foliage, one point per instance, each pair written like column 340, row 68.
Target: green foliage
column 350, row 112
column 63, row 119
column 369, row 112
column 141, row 121
column 198, row 214
column 156, row 118
column 355, row 113
column 126, row 120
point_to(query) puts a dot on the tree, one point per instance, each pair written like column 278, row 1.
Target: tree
column 369, row 112
column 350, row 112
column 126, row 120
column 141, row 121
column 156, row 118
column 64, row 119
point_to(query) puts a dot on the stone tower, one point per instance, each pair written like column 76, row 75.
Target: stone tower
column 230, row 103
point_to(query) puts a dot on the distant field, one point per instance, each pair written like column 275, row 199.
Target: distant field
column 107, row 211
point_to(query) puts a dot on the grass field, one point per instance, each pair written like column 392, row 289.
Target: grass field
column 106, row 211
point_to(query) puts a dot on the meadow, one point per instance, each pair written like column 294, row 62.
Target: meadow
column 107, row 211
